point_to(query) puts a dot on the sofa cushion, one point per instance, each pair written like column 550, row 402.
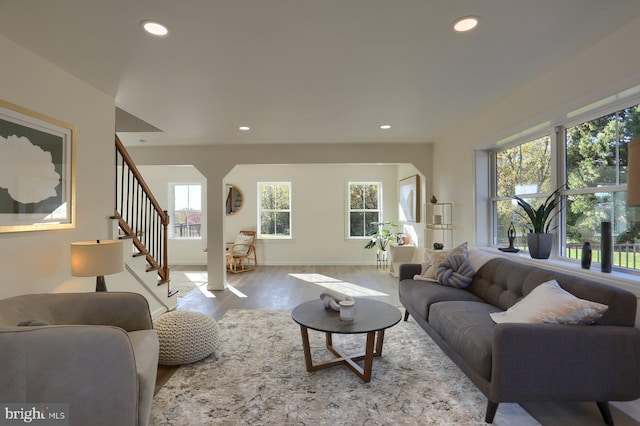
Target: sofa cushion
column 549, row 303
column 468, row 329
column 420, row 295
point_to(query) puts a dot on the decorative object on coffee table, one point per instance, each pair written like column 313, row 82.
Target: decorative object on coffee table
column 586, row 255
column 511, row 235
column 185, row 337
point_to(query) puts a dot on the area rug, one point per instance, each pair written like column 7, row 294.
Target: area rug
column 258, row 377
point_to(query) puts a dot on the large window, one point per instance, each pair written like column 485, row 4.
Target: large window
column 365, row 208
column 525, row 171
column 274, row 210
column 596, row 172
column 187, row 211
column 593, row 166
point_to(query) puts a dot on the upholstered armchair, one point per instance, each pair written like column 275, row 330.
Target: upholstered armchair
column 241, row 255
column 96, row 352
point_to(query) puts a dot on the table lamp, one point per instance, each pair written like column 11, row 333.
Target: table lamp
column 97, row 259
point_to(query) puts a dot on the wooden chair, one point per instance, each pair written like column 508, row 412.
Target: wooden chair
column 241, row 256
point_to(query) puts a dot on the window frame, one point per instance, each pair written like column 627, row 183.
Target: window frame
column 266, row 237
column 172, row 204
column 348, row 209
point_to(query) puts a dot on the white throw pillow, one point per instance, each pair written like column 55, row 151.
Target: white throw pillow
column 550, row 303
column 437, row 257
column 243, row 242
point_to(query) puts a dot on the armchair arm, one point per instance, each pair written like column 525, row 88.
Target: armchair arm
column 565, row 362
column 91, row 368
column 129, row 311
column 408, row 270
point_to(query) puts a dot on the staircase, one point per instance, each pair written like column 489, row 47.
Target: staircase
column 139, row 218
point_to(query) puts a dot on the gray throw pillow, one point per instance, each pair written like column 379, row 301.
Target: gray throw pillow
column 455, row 271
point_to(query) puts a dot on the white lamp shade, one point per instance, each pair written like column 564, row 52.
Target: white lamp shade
column 633, row 173
column 96, row 258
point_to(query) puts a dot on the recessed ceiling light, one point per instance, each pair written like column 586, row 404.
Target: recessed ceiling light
column 155, row 28
column 385, row 126
column 244, row 128
column 466, row 24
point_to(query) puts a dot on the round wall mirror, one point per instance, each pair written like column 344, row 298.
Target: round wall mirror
column 234, row 200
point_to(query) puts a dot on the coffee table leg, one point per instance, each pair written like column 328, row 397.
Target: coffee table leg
column 368, row 357
column 306, row 348
column 379, row 343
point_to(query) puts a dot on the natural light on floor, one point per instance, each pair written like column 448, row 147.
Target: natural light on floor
column 335, row 284
column 200, row 280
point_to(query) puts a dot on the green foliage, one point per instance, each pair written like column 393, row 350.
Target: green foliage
column 382, row 235
column 540, row 218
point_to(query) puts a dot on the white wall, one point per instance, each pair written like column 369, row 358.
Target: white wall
column 182, row 251
column 39, row 261
column 319, row 203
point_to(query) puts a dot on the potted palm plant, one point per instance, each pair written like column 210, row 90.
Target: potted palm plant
column 537, row 223
column 381, row 236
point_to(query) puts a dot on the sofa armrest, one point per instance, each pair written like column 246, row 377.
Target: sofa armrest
column 408, row 270
column 129, row 311
column 91, row 368
column 565, row 362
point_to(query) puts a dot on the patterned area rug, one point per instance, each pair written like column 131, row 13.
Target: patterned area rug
column 258, row 377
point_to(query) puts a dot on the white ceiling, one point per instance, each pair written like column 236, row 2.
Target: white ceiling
column 303, row 71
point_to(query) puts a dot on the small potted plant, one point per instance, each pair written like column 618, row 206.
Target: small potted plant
column 537, row 223
column 381, row 236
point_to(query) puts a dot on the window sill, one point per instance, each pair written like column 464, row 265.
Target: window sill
column 629, row 282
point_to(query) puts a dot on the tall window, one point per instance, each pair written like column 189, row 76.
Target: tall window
column 525, row 171
column 596, row 171
column 274, row 205
column 365, row 208
column 187, row 211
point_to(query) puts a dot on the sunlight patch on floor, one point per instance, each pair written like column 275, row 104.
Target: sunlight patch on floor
column 235, row 291
column 347, row 288
column 200, row 280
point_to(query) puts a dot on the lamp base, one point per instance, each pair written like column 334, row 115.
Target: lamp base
column 100, row 283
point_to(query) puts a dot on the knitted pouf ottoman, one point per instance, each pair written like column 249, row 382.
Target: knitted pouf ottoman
column 185, row 337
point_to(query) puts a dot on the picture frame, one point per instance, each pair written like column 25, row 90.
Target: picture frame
column 409, row 199
column 37, row 171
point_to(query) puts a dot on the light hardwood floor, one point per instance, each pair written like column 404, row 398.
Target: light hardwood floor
column 284, row 287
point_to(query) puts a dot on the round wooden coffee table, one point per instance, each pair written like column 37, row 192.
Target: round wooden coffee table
column 371, row 317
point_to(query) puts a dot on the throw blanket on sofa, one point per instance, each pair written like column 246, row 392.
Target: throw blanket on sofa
column 455, row 271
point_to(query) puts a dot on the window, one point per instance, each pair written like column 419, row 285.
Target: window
column 365, row 208
column 274, row 210
column 187, row 211
column 596, row 165
column 525, row 171
column 593, row 165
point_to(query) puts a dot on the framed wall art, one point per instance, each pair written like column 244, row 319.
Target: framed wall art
column 37, row 173
column 409, row 199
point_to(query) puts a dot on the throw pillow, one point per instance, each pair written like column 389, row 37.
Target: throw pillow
column 241, row 244
column 437, row 257
column 33, row 323
column 550, row 303
column 455, row 271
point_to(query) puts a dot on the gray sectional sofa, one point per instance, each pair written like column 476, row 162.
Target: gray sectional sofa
column 96, row 352
column 521, row 362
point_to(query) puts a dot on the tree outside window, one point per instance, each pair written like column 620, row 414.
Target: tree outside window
column 274, row 217
column 364, row 208
column 525, row 171
column 187, row 211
